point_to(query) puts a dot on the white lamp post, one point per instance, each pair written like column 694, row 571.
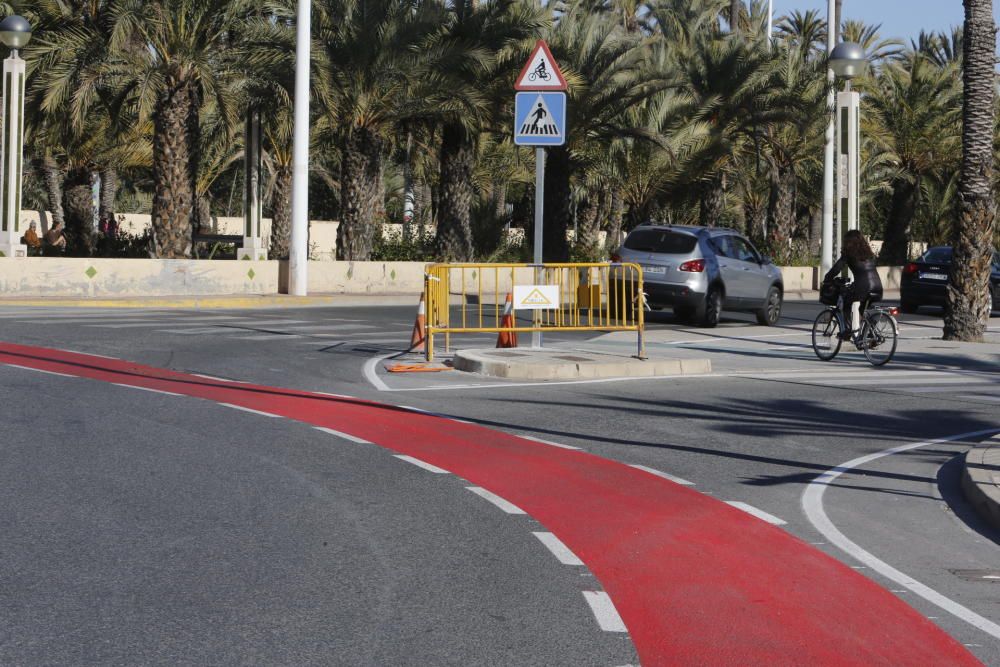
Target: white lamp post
column 826, row 249
column 298, row 256
column 15, row 33
column 847, row 62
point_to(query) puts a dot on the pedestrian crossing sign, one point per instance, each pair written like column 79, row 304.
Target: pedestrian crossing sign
column 540, row 119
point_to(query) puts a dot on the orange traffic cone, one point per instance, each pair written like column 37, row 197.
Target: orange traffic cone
column 507, row 338
column 417, row 338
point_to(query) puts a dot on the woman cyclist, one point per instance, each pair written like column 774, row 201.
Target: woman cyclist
column 867, row 287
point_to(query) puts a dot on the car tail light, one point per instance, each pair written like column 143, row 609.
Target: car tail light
column 894, row 311
column 910, row 268
column 694, row 266
column 615, row 257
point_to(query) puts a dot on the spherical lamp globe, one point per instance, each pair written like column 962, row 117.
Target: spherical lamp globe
column 15, row 32
column 848, row 60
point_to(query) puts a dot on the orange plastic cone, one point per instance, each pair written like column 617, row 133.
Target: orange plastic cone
column 417, row 338
column 507, row 338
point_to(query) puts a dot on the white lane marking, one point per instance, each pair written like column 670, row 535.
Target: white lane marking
column 562, row 553
column 155, row 391
column 509, row 508
column 812, row 504
column 550, row 443
column 250, row 410
column 664, row 475
column 760, row 514
column 267, row 337
column 604, row 611
column 341, row 434
column 191, row 332
column 92, row 354
column 372, row 375
column 421, row 464
column 131, row 325
column 980, row 397
column 323, row 393
column 218, row 379
column 39, row 370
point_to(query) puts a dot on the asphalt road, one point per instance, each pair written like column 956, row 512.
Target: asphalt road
column 148, row 529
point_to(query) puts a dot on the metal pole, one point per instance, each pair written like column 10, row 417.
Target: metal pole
column 298, row 257
column 536, row 336
column 826, row 260
column 11, row 161
column 770, row 22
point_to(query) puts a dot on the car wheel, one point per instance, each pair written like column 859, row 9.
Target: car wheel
column 771, row 312
column 908, row 307
column 713, row 308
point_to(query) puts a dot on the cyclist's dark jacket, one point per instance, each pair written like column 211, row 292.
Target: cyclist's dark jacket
column 866, row 280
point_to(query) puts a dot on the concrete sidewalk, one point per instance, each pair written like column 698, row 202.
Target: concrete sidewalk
column 223, row 301
column 981, row 479
column 561, row 364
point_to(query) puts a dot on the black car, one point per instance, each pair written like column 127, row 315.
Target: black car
column 925, row 281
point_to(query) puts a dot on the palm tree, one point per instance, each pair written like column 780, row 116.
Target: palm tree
column 466, row 80
column 913, row 113
column 969, row 303
column 371, row 52
column 170, row 56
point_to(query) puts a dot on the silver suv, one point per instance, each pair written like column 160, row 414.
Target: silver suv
column 699, row 271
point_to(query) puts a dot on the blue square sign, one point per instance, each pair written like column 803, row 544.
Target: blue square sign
column 540, row 119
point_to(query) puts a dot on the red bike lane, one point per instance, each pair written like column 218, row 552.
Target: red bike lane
column 695, row 581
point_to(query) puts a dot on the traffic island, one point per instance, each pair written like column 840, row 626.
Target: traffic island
column 981, row 480
column 556, row 364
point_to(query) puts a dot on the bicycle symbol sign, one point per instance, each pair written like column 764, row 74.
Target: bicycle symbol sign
column 541, row 72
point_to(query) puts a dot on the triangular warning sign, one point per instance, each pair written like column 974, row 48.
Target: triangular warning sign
column 539, row 121
column 541, row 72
column 535, row 298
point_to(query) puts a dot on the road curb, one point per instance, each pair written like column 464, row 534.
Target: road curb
column 981, row 480
column 211, row 302
column 554, row 364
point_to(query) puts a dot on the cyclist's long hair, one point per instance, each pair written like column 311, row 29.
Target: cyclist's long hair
column 856, row 247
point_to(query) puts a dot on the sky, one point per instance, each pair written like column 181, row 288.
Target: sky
column 899, row 18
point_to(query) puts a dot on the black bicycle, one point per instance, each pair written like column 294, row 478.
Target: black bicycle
column 877, row 336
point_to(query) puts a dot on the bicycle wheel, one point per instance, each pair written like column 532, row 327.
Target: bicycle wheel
column 878, row 340
column 826, row 335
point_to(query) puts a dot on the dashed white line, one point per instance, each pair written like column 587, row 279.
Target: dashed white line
column 155, row 391
column 421, row 464
column 562, row 553
column 760, row 514
column 39, row 370
column 550, row 443
column 250, row 410
column 812, row 504
column 604, row 611
column 508, row 507
column 664, row 475
column 341, row 434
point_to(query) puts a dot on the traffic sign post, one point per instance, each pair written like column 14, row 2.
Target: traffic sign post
column 539, row 121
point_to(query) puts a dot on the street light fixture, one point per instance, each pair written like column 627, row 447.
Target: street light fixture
column 15, row 33
column 848, row 60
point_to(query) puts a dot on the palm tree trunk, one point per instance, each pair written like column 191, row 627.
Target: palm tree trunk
column 735, row 7
column 360, row 185
column 902, row 209
column 558, row 204
column 281, row 212
column 712, row 201
column 54, row 190
column 588, row 247
column 173, row 188
column 782, row 212
column 78, row 202
column 968, row 309
column 409, row 195
column 616, row 217
column 454, row 231
column 109, row 191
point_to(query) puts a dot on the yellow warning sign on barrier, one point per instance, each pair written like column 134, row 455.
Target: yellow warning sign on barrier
column 536, row 297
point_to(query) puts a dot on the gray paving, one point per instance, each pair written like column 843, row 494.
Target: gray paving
column 757, row 430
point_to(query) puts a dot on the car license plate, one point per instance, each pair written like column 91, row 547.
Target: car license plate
column 655, row 270
column 934, row 276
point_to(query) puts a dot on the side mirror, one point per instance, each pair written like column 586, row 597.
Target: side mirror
column 764, row 259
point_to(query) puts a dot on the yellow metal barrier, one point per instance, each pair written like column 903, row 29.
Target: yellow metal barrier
column 592, row 297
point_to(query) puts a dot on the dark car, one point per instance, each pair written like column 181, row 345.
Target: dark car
column 925, row 281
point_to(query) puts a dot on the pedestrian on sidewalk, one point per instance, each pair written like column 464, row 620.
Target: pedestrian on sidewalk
column 55, row 240
column 857, row 255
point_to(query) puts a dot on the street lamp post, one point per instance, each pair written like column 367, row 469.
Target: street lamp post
column 826, row 248
column 847, row 62
column 298, row 256
column 15, row 33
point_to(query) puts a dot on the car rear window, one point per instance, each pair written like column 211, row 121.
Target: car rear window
column 660, row 240
column 937, row 256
